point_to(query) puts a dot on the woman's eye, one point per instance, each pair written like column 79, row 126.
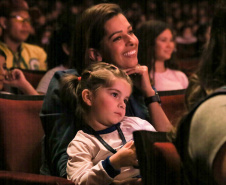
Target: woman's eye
column 117, row 38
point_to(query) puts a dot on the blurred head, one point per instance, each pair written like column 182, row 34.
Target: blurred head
column 3, row 68
column 15, row 19
column 58, row 51
column 104, row 34
column 97, row 76
column 156, row 44
column 212, row 71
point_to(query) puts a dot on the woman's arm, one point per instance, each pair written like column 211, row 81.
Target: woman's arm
column 142, row 81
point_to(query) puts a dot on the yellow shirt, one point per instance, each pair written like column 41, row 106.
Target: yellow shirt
column 29, row 56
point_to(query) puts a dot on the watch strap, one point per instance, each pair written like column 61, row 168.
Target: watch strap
column 152, row 99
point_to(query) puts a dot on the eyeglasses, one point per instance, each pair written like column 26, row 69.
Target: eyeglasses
column 20, row 19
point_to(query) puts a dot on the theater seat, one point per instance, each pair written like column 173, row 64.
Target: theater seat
column 20, row 132
column 21, row 136
column 33, row 76
column 173, row 104
column 159, row 161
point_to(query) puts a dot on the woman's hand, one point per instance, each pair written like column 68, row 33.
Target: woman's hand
column 141, row 79
column 126, row 156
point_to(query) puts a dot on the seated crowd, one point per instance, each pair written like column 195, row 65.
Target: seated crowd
column 102, row 70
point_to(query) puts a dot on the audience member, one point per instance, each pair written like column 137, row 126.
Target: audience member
column 13, row 78
column 201, row 139
column 155, row 50
column 97, row 155
column 58, row 56
column 186, row 36
column 15, row 19
column 102, row 34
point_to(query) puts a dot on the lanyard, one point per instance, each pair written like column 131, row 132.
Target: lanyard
column 103, row 142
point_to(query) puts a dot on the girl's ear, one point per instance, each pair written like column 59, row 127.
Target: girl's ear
column 87, row 97
column 94, row 54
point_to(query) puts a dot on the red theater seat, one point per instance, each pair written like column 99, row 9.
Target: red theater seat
column 173, row 104
column 21, row 136
column 33, row 76
column 159, row 161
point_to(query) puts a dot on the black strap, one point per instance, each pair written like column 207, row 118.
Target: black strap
column 107, row 146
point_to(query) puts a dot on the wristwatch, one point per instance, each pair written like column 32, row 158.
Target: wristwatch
column 152, row 99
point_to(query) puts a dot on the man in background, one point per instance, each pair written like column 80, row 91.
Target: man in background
column 15, row 20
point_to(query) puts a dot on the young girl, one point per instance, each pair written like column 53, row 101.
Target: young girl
column 103, row 151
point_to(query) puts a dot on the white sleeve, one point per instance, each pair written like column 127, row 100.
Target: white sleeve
column 80, row 168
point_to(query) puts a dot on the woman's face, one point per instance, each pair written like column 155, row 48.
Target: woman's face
column 164, row 45
column 2, row 70
column 119, row 45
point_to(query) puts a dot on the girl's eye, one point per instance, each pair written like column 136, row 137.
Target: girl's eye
column 114, row 94
column 117, row 38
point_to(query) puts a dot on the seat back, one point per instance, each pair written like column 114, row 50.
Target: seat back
column 159, row 161
column 173, row 104
column 21, row 132
column 33, row 76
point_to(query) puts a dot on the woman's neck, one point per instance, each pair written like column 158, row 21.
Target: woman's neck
column 160, row 66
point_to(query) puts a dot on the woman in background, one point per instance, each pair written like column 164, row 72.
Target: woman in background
column 155, row 51
column 58, row 55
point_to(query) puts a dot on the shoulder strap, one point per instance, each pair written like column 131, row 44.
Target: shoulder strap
column 182, row 138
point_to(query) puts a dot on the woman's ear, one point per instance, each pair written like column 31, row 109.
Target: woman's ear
column 87, row 96
column 94, row 54
column 3, row 22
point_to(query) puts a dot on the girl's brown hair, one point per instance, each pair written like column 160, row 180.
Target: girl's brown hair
column 99, row 74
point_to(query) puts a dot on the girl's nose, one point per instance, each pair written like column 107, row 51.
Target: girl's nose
column 122, row 104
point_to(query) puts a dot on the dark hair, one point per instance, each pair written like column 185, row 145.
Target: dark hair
column 147, row 34
column 9, row 6
column 55, row 53
column 98, row 74
column 2, row 53
column 211, row 73
column 90, row 31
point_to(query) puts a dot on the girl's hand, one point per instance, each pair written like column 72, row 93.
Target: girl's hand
column 126, row 156
column 141, row 79
column 15, row 78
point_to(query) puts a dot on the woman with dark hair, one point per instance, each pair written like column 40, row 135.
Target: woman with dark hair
column 155, row 51
column 102, row 34
column 58, row 55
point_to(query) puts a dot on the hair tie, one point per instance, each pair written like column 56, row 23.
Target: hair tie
column 79, row 78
